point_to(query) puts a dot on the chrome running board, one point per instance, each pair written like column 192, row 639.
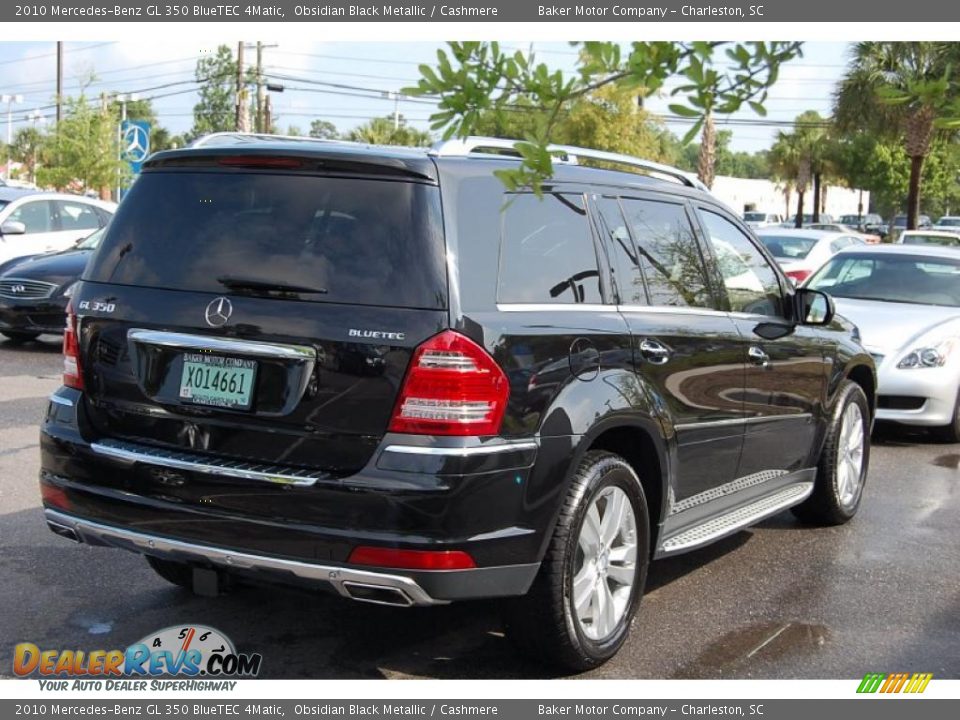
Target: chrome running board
column 736, row 519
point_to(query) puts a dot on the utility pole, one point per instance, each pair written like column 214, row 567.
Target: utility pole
column 260, row 90
column 267, row 115
column 240, row 124
column 59, row 81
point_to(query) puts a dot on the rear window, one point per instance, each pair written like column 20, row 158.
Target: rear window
column 786, row 247
column 367, row 242
column 909, row 239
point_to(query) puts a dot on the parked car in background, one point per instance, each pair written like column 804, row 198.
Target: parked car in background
column 899, row 224
column 34, row 290
column 679, row 388
column 870, row 223
column 869, row 238
column 808, row 218
column 762, row 219
column 801, row 252
column 929, row 237
column 34, row 222
column 948, row 223
column 905, row 300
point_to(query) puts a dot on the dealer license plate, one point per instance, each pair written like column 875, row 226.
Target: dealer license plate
column 217, row 381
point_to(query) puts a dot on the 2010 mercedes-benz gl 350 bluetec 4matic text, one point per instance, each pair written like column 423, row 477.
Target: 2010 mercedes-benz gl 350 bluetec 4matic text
column 376, row 370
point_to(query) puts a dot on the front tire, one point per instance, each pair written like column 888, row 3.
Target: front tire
column 577, row 613
column 842, row 469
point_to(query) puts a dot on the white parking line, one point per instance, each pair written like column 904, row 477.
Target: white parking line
column 22, row 387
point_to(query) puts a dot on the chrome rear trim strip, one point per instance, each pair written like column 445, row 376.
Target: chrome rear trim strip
column 462, row 451
column 59, row 400
column 255, row 348
column 190, row 462
column 98, row 534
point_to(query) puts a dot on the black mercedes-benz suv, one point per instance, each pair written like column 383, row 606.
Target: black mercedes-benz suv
column 378, row 371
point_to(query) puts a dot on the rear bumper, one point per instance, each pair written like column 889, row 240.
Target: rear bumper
column 382, row 588
column 253, row 521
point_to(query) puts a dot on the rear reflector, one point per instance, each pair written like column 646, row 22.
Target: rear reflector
column 72, row 373
column 53, row 496
column 412, row 559
column 798, row 275
column 453, row 387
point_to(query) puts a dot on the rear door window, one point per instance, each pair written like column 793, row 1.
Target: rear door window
column 669, row 254
column 547, row 252
column 628, row 282
column 77, row 216
column 357, row 241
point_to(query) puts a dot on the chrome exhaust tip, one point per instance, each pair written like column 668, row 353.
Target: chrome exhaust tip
column 64, row 531
column 377, row 594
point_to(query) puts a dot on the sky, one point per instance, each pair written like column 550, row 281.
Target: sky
column 359, row 77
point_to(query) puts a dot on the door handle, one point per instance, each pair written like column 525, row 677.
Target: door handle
column 758, row 356
column 654, row 352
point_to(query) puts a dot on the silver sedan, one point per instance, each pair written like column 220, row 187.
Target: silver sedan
column 905, row 300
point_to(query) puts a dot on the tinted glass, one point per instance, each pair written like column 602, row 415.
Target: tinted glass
column 547, row 253
column 930, row 240
column 892, row 278
column 787, row 247
column 754, row 216
column 670, row 257
column 752, row 285
column 365, row 242
column 77, row 216
column 628, row 281
column 37, row 216
column 949, row 222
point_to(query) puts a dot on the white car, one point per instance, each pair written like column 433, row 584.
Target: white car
column 761, row 219
column 930, row 237
column 905, row 301
column 801, row 252
column 32, row 223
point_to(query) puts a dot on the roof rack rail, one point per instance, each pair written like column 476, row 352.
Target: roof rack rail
column 476, row 145
column 240, row 136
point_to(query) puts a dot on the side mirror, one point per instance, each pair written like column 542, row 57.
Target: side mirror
column 813, row 307
column 13, row 227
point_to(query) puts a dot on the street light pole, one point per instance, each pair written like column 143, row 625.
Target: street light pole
column 10, row 100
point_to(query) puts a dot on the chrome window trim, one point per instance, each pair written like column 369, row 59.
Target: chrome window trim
column 462, row 451
column 185, row 341
column 548, row 307
column 670, row 310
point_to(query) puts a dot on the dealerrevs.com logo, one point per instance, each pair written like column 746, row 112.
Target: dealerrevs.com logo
column 182, row 651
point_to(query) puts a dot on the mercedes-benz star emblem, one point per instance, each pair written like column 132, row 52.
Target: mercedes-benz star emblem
column 218, row 312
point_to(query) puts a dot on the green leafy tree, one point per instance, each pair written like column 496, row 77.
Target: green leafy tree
column 728, row 162
column 474, row 78
column 384, row 131
column 909, row 91
column 25, row 149
column 791, row 166
column 323, row 129
column 216, row 109
column 81, row 152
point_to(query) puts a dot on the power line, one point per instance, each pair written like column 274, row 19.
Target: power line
column 54, row 53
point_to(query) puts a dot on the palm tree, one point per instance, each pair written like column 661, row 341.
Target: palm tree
column 389, row 131
column 790, row 163
column 908, row 90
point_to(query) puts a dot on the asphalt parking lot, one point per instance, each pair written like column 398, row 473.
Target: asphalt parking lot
column 881, row 594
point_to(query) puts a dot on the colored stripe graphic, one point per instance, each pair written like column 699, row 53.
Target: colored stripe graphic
column 894, row 683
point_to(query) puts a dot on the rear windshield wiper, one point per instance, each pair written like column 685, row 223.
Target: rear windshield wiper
column 245, row 283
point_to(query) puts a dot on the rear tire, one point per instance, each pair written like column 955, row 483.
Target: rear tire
column 174, row 572
column 578, row 611
column 842, row 469
column 18, row 336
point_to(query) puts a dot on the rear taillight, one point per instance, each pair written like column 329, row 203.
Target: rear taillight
column 798, row 275
column 453, row 387
column 72, row 375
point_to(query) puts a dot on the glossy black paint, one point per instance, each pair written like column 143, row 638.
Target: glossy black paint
column 578, row 379
column 47, row 315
